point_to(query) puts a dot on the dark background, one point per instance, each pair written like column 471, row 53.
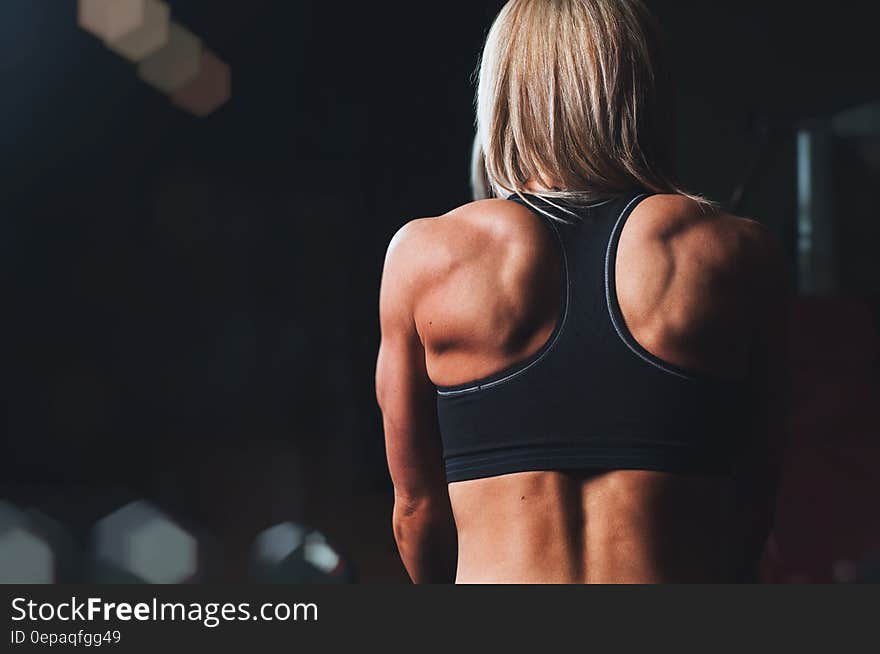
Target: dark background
column 191, row 311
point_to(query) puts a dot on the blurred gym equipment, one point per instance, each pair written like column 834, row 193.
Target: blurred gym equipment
column 838, row 162
column 34, row 549
column 139, row 543
column 288, row 553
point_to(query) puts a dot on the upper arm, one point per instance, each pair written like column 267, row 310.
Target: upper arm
column 404, row 391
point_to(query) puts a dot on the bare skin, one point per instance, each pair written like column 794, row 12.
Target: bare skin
column 474, row 291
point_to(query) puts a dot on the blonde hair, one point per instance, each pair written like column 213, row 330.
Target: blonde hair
column 481, row 188
column 572, row 91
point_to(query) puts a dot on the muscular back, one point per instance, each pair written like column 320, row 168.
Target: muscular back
column 700, row 291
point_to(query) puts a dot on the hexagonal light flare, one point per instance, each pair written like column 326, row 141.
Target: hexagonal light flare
column 111, row 19
column 175, row 64
column 209, row 91
column 25, row 557
column 276, row 543
column 143, row 542
column 151, row 36
column 291, row 553
column 162, row 553
column 318, row 552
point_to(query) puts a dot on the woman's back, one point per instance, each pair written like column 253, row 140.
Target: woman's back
column 685, row 284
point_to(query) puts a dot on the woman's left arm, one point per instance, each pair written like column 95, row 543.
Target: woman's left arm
column 423, row 523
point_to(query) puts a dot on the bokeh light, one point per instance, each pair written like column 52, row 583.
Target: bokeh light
column 175, row 64
column 149, row 37
column 318, row 552
column 209, row 91
column 139, row 542
column 288, row 553
column 25, row 556
column 111, row 20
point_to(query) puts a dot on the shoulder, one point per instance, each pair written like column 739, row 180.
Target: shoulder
column 694, row 282
column 424, row 249
column 488, row 218
column 691, row 236
column 477, row 241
